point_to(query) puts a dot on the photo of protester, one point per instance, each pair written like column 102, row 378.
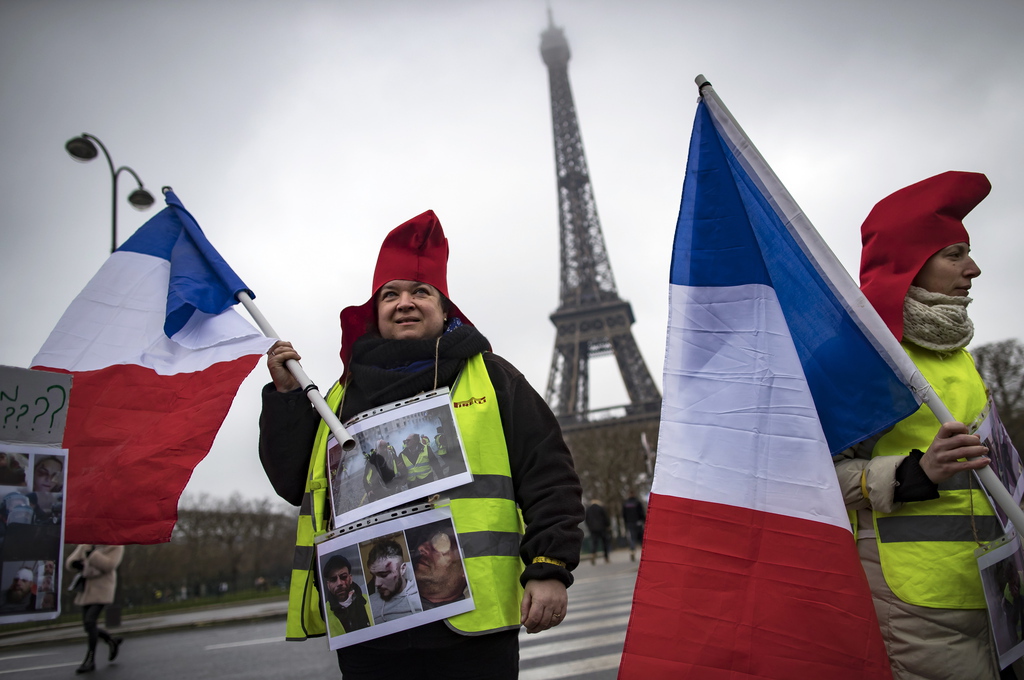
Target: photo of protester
column 345, row 588
column 1001, row 565
column 18, row 595
column 12, row 468
column 393, row 592
column 1005, row 461
column 402, row 454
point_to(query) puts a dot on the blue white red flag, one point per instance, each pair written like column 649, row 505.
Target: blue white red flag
column 157, row 354
column 774, row 361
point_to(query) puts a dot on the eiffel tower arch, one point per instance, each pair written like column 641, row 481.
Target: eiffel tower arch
column 591, row 319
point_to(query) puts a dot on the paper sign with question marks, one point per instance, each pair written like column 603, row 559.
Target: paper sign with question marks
column 33, row 405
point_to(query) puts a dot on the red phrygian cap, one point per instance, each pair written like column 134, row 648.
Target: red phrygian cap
column 416, row 250
column 906, row 228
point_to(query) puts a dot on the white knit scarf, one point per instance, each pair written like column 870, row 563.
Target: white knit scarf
column 936, row 321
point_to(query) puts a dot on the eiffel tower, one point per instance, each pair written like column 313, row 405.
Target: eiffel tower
column 591, row 320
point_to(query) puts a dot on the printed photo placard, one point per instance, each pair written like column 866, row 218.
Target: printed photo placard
column 32, row 483
column 1006, row 462
column 1002, row 572
column 392, row 576
column 404, row 451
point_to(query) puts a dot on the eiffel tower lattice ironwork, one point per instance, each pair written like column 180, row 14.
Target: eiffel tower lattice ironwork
column 591, row 319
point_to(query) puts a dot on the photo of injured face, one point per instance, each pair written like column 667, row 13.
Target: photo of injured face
column 437, row 564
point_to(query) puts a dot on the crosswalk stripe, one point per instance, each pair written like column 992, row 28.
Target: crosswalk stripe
column 566, row 629
column 587, row 613
column 572, row 669
column 595, row 579
column 551, row 648
column 41, row 668
column 604, row 591
column 243, row 643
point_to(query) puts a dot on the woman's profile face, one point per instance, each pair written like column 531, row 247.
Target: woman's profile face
column 949, row 271
column 47, row 475
column 409, row 310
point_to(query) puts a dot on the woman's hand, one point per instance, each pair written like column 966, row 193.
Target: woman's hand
column 544, row 604
column 941, row 460
column 280, row 352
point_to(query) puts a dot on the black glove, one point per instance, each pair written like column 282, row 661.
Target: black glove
column 78, row 564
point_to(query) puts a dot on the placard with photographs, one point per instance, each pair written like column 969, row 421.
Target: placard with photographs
column 1006, row 461
column 392, row 576
column 32, row 483
column 403, row 452
column 1001, row 564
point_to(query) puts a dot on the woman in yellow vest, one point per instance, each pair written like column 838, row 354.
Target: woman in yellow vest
column 406, row 339
column 916, row 505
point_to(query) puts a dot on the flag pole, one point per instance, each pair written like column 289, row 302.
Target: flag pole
column 311, row 391
column 864, row 312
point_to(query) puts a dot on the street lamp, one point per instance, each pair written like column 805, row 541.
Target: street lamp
column 82, row 149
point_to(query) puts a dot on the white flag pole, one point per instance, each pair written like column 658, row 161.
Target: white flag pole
column 835, row 274
column 311, row 391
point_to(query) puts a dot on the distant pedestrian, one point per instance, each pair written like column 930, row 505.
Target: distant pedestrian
column 598, row 525
column 98, row 567
column 633, row 517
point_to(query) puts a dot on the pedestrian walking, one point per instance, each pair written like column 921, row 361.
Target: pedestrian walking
column 97, row 567
column 598, row 524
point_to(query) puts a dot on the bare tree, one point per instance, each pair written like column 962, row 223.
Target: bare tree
column 234, row 540
column 610, row 462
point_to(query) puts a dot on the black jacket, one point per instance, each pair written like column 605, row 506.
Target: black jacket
column 354, row 616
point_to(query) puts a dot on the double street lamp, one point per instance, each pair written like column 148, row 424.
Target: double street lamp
column 82, row 149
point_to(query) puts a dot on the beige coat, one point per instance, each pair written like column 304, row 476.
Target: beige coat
column 922, row 643
column 99, row 572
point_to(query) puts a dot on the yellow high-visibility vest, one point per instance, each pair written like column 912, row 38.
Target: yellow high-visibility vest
column 926, row 548
column 419, row 469
column 484, row 512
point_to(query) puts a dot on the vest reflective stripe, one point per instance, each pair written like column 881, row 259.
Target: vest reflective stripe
column 926, row 548
column 485, row 514
column 937, row 528
column 303, row 557
column 485, row 486
column 421, row 468
column 490, row 544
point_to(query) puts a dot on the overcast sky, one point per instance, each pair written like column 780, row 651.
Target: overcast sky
column 298, row 134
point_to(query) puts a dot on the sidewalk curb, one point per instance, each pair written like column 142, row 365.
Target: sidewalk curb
column 144, row 623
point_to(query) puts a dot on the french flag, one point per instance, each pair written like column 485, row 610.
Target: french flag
column 157, row 355
column 774, row 361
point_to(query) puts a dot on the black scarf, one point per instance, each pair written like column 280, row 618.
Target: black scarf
column 380, row 371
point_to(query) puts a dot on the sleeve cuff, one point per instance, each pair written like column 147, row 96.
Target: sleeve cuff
column 912, row 484
column 539, row 571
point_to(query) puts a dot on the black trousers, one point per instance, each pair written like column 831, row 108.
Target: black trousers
column 494, row 656
column 90, row 621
